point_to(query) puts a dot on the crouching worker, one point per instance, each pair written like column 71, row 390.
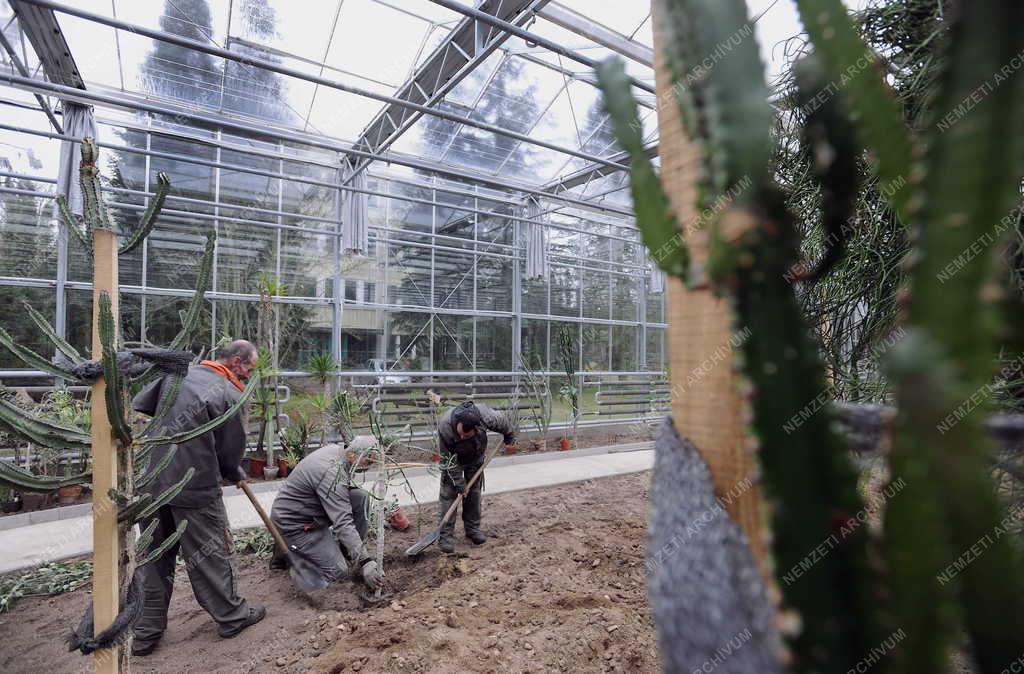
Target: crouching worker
column 462, row 432
column 324, row 518
column 207, row 392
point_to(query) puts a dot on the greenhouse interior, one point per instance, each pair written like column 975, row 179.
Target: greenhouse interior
column 524, row 336
column 387, row 195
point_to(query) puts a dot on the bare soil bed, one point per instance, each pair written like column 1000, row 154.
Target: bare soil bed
column 560, row 588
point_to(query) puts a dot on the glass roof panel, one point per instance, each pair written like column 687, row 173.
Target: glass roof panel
column 375, row 45
column 622, row 17
column 377, row 40
column 277, row 24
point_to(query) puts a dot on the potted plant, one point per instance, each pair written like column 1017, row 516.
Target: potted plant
column 322, row 367
column 288, row 463
column 256, row 465
column 538, row 388
column 67, row 495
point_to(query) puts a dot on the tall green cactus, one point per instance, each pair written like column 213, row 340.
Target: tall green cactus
column 967, row 182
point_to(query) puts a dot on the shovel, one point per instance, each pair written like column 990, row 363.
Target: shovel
column 431, row 538
column 305, row 574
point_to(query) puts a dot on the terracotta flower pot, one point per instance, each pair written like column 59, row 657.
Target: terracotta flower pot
column 282, row 468
column 67, row 495
column 398, row 520
column 32, row 500
column 256, row 467
column 565, row 444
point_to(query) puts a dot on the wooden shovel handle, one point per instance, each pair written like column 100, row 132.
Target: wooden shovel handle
column 469, row 485
column 278, row 538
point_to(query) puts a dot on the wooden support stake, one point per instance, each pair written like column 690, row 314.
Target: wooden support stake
column 707, row 406
column 105, row 544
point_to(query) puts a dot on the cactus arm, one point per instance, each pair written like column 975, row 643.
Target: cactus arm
column 168, row 494
column 89, row 178
column 114, row 390
column 195, row 307
column 18, row 478
column 873, row 108
column 152, row 471
column 833, row 148
column 51, row 334
column 960, row 208
column 210, row 425
column 130, row 513
column 43, row 431
column 70, row 222
column 657, row 224
column 735, row 95
column 168, row 396
column 164, row 546
column 33, row 359
column 148, row 219
column 146, row 538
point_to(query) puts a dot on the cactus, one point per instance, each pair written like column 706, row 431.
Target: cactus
column 955, row 208
column 951, row 502
column 808, row 474
column 870, row 105
column 96, row 216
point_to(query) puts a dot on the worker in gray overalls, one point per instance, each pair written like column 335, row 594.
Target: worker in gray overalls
column 462, row 435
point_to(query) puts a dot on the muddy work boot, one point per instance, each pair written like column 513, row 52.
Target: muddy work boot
column 446, row 543
column 477, row 537
column 256, row 614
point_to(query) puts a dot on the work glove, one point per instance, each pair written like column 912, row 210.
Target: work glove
column 372, row 575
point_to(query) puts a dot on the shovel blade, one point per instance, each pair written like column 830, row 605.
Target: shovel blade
column 305, row 574
column 424, row 543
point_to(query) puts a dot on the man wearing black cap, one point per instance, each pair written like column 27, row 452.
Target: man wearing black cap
column 463, row 439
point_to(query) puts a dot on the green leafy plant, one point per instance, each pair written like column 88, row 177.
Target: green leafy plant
column 538, row 388
column 323, row 367
column 258, row 542
column 47, row 580
column 569, row 392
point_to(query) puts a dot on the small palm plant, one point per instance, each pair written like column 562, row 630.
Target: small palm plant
column 323, row 367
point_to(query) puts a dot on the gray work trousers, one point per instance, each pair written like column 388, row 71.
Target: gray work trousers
column 320, row 547
column 472, row 505
column 209, row 554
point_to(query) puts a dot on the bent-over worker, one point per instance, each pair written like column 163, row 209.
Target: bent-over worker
column 319, row 513
column 462, row 432
column 207, row 392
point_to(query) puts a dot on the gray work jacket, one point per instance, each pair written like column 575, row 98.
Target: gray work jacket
column 470, row 452
column 204, row 396
column 315, row 495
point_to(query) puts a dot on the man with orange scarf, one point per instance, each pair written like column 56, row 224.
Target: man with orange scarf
column 207, row 392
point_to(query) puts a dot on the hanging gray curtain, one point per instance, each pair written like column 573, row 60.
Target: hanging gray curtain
column 79, row 122
column 536, row 241
column 355, row 235
column 657, row 280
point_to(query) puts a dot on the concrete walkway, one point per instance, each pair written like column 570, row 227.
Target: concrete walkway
column 35, row 544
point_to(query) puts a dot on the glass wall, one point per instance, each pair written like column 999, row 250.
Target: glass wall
column 440, row 289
